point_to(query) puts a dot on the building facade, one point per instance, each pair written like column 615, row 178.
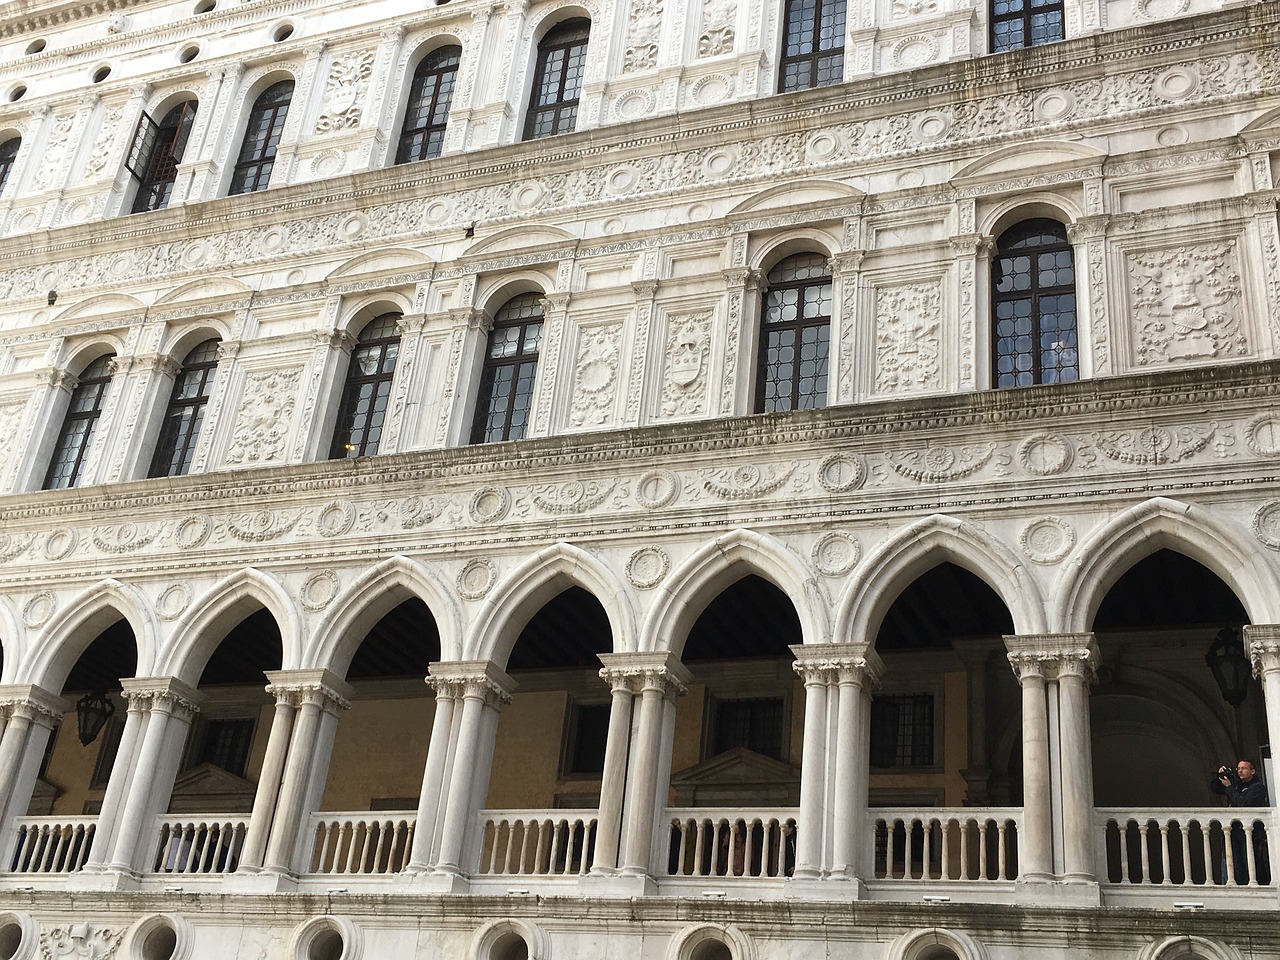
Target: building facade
column 807, row 448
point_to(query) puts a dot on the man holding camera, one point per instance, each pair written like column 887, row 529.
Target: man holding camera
column 1242, row 788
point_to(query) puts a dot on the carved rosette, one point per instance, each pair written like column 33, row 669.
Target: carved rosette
column 941, row 464
column 647, row 566
column 1047, row 540
column 596, row 376
column 477, row 578
column 1152, row 446
column 746, row 481
column 1266, row 524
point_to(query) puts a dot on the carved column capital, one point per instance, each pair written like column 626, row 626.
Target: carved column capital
column 334, row 339
column 160, row 363
column 645, row 289
column 836, row 663
column 34, row 703
column 742, row 278
column 1262, row 642
column 555, row 302
column 660, row 671
column 476, row 679
column 1054, row 655
column 299, row 687
column 167, row 694
column 850, row 261
column 58, row 378
column 473, row 318
column 972, row 244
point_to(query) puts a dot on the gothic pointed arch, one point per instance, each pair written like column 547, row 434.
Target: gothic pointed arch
column 1106, row 553
column 697, row 581
column 520, row 595
column 224, row 605
column 892, row 566
column 71, row 630
column 373, row 595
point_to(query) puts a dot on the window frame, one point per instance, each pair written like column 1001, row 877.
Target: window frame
column 350, row 402
column 810, row 33
column 424, row 135
column 72, row 416
column 937, row 705
column 1034, row 293
column 797, row 326
column 186, row 434
column 562, row 37
column 569, row 770
column 523, row 362
column 252, row 173
column 164, row 143
column 1026, row 16
column 8, row 160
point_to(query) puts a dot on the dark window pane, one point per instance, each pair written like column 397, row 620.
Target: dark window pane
column 427, row 113
column 363, row 407
column 225, row 744
column 180, row 430
column 8, row 153
column 755, row 724
column 812, row 44
column 589, row 736
column 505, row 395
column 78, row 426
column 1033, row 306
column 157, row 168
column 1016, row 23
column 794, row 336
column 252, row 171
column 557, row 83
column 902, row 731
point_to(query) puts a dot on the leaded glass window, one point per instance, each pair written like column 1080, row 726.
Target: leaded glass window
column 78, row 426
column 1033, row 301
column 185, row 414
column 505, row 396
column 812, row 44
column 1016, row 24
column 362, row 411
column 261, row 138
column 430, row 93
column 557, row 82
column 8, row 153
column 157, row 151
column 795, row 330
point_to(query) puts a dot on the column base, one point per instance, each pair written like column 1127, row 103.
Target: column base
column 619, row 885
column 104, row 879
column 838, row 888
column 1078, row 893
column 262, row 881
column 441, row 882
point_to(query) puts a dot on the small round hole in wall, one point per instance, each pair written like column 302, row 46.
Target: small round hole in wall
column 37, row 45
column 10, row 940
column 510, row 946
column 206, row 6
column 18, row 92
column 160, row 943
column 188, row 53
column 101, row 73
column 326, row 945
column 283, row 32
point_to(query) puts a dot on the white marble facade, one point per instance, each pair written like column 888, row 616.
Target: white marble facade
column 1152, row 132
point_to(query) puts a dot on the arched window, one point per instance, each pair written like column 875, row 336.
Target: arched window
column 156, row 152
column 557, row 81
column 795, row 330
column 8, row 153
column 511, row 362
column 812, row 45
column 363, row 408
column 261, row 137
column 181, row 427
column 430, row 94
column 1025, row 23
column 78, row 426
column 1033, row 304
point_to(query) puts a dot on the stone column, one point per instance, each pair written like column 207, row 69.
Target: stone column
column 483, row 690
column 661, row 679
column 1055, row 670
column 434, row 775
column 320, row 694
column 168, row 706
column 812, row 824
column 264, row 800
column 118, row 782
column 613, row 781
column 1262, row 640
column 29, row 713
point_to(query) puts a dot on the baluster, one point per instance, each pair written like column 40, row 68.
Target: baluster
column 1145, row 847
column 349, row 836
column 1205, row 830
column 48, row 848
column 385, row 827
column 158, row 862
column 890, row 827
column 1002, row 848
column 944, row 839
column 1229, row 854
column 1164, row 853
column 1185, row 833
column 60, row 846
column 87, row 834
column 322, row 846
column 926, row 831
column 558, row 847
column 539, row 853
column 682, row 827
column 495, row 842
column 408, row 843
column 1248, row 853
column 530, row 833
column 964, row 849
column 1123, row 830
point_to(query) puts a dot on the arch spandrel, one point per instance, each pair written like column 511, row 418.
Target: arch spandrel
column 689, row 588
column 889, row 569
column 519, row 595
column 369, row 598
column 1102, row 557
column 69, row 632
column 215, row 614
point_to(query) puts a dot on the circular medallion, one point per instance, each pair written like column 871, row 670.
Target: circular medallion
column 319, row 590
column 841, row 472
column 529, row 196
column 1159, row 9
column 647, row 566
column 354, row 225
column 327, row 163
column 195, row 253
column 1176, row 83
column 914, row 51
column 193, row 532
column 336, row 519
column 273, row 239
column 1172, row 136
column 613, row 226
column 37, row 611
column 476, row 578
column 932, row 127
column 173, row 601
column 60, row 542
column 1047, row 540
column 822, row 146
column 437, row 212
column 622, row 179
column 699, row 211
column 1263, row 435
column 296, row 277
column 634, row 104
column 656, row 489
column 1044, row 454
column 719, row 163
column 1266, row 524
column 711, row 89
column 490, row 504
column 1054, row 105
column 939, row 459
column 836, row 553
column 910, row 179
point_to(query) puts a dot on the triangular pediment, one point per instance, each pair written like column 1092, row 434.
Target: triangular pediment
column 210, row 789
column 737, row 777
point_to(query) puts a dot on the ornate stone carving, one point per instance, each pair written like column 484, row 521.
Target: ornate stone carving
column 913, row 8
column 647, row 566
column 1151, row 446
column 1263, row 435
column 941, row 464
column 348, row 77
column 836, row 553
column 55, row 153
column 1186, row 303
column 336, row 518
column 193, row 532
column 261, row 432
column 717, row 34
column 842, row 472
column 37, row 611
column 745, row 481
column 80, row 941
column 657, row 488
column 123, row 537
column 319, row 589
column 573, row 496
column 1266, row 524
column 644, row 29
column 1047, row 540
column 1044, row 454
column 477, row 578
column 490, row 504
column 684, row 386
column 907, row 341
column 416, row 512
column 60, row 542
column 261, row 526
column 596, row 376
column 12, row 545
column 102, row 146
column 173, row 601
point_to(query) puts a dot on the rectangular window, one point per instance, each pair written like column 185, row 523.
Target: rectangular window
column 756, row 724
column 225, row 744
column 902, row 731
column 588, row 737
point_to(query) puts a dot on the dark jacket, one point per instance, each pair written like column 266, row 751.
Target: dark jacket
column 1241, row 794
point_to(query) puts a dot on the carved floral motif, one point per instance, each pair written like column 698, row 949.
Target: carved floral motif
column 347, row 78
column 1186, row 303
column 717, row 34
column 907, row 340
column 596, row 376
column 940, row 464
column 266, row 414
column 684, row 384
column 644, row 27
column 1152, row 446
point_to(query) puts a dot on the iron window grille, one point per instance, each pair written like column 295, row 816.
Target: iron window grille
column 362, row 411
column 155, row 153
column 426, row 116
column 795, row 333
column 755, row 723
column 76, row 435
column 225, row 744
column 505, row 394
column 902, row 731
column 185, row 413
column 252, row 171
column 1016, row 24
column 812, row 45
column 562, row 58
column 1033, row 304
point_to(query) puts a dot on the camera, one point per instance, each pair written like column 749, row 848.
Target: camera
column 1227, row 770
